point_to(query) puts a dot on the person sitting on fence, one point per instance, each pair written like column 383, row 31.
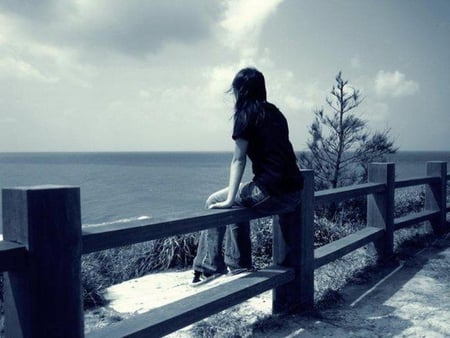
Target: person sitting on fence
column 261, row 132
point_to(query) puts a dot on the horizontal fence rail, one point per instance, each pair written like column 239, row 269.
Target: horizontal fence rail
column 419, row 217
column 43, row 243
column 334, row 250
column 345, row 193
column 105, row 237
column 409, row 182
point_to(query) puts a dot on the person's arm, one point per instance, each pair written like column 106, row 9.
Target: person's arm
column 237, row 168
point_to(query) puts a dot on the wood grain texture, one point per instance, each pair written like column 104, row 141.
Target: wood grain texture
column 436, row 195
column 413, row 181
column 106, row 237
column 293, row 247
column 334, row 250
column 44, row 298
column 380, row 206
column 415, row 218
column 344, row 193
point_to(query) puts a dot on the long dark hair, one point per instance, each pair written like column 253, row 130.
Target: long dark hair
column 249, row 89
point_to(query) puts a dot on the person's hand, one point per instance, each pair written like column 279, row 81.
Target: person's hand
column 221, row 205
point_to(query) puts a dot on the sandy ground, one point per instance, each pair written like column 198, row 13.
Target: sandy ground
column 410, row 298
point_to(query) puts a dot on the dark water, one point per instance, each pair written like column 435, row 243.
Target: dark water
column 122, row 186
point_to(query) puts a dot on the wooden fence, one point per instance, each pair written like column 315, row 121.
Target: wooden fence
column 43, row 243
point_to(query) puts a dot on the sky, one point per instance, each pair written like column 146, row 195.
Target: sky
column 112, row 75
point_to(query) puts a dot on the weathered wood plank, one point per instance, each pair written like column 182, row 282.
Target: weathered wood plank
column 340, row 194
column 106, row 237
column 176, row 315
column 343, row 246
column 411, row 219
column 409, row 182
column 293, row 247
column 448, row 205
column 44, row 299
column 436, row 195
column 12, row 256
column 380, row 206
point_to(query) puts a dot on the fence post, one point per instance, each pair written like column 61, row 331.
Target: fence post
column 44, row 299
column 436, row 194
column 380, row 206
column 293, row 246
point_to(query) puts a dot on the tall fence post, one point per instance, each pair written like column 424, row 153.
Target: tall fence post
column 436, row 194
column 380, row 206
column 44, row 299
column 293, row 246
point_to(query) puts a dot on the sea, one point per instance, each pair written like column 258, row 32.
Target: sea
column 117, row 187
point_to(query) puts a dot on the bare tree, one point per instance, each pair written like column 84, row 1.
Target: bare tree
column 340, row 144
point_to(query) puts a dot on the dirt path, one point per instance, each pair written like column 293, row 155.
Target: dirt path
column 410, row 298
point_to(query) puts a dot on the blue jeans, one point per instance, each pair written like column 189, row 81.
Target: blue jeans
column 211, row 258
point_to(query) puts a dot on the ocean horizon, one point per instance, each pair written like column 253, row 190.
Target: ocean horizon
column 122, row 186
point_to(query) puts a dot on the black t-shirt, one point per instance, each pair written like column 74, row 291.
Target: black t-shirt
column 273, row 159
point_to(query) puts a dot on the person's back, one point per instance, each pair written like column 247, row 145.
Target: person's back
column 273, row 159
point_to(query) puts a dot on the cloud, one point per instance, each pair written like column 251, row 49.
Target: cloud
column 394, row 84
column 16, row 68
column 128, row 27
column 142, row 27
column 299, row 97
column 25, row 58
column 43, row 10
column 242, row 24
column 219, row 79
column 238, row 35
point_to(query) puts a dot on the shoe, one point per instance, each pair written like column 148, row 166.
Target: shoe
column 201, row 278
column 238, row 271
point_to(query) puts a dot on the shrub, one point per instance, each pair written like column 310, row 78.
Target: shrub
column 408, row 201
column 327, row 231
column 261, row 236
column 173, row 252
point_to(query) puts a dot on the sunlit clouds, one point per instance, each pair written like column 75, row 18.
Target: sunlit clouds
column 394, row 84
column 242, row 24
